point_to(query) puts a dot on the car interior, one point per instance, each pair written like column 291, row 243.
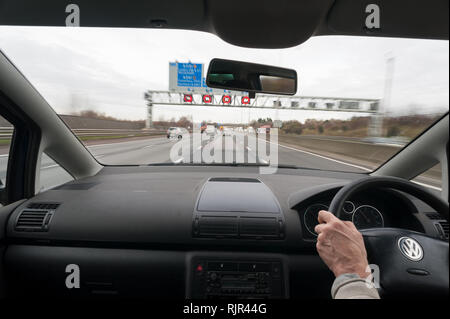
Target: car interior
column 189, row 231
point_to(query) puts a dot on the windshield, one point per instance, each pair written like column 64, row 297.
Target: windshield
column 359, row 100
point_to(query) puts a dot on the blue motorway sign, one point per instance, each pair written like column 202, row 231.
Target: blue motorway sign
column 189, row 74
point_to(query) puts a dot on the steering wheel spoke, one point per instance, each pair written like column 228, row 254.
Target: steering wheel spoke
column 408, row 263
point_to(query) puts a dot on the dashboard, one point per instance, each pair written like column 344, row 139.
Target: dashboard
column 189, row 232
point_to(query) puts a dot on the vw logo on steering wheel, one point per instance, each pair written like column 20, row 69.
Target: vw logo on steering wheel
column 410, row 248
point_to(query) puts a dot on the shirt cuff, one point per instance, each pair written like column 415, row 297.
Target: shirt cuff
column 351, row 286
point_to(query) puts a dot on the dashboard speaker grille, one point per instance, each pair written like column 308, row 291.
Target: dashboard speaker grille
column 43, row 205
column 434, row 216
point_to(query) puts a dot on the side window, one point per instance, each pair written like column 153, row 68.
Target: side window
column 431, row 177
column 6, row 132
column 51, row 174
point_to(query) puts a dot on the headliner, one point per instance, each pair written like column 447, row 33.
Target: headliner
column 249, row 23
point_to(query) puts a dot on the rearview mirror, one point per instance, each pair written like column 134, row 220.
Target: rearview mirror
column 251, row 77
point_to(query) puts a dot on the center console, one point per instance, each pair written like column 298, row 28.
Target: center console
column 234, row 209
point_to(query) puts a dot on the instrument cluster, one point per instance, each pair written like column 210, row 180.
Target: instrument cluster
column 362, row 215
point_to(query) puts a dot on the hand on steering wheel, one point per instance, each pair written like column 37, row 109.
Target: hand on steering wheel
column 341, row 246
column 410, row 263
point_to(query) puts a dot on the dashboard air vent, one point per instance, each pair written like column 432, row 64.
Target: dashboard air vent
column 442, row 228
column 260, row 227
column 238, row 227
column 34, row 220
column 36, row 217
column 216, row 226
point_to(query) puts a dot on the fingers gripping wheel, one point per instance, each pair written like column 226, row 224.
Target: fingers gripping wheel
column 410, row 263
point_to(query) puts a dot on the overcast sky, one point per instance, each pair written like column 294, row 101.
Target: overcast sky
column 108, row 70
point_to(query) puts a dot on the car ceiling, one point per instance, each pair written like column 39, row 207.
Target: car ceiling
column 249, row 23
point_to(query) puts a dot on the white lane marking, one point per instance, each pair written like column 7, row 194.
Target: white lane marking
column 324, row 157
column 97, row 145
column 355, row 142
column 148, row 146
column 50, row 166
column 389, row 144
column 426, row 185
column 179, row 160
column 249, row 149
column 357, row 166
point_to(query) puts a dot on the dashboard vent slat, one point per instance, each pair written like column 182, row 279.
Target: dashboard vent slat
column 259, row 227
column 238, row 227
column 440, row 224
column 445, row 229
column 212, row 226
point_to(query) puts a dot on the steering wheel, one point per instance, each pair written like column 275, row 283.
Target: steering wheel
column 409, row 263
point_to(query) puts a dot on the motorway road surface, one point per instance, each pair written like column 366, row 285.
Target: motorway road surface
column 242, row 149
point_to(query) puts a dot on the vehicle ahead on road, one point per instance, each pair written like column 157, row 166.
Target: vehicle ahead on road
column 264, row 129
column 142, row 217
column 210, row 130
column 175, row 132
column 227, row 131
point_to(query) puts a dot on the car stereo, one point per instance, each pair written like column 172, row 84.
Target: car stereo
column 212, row 278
